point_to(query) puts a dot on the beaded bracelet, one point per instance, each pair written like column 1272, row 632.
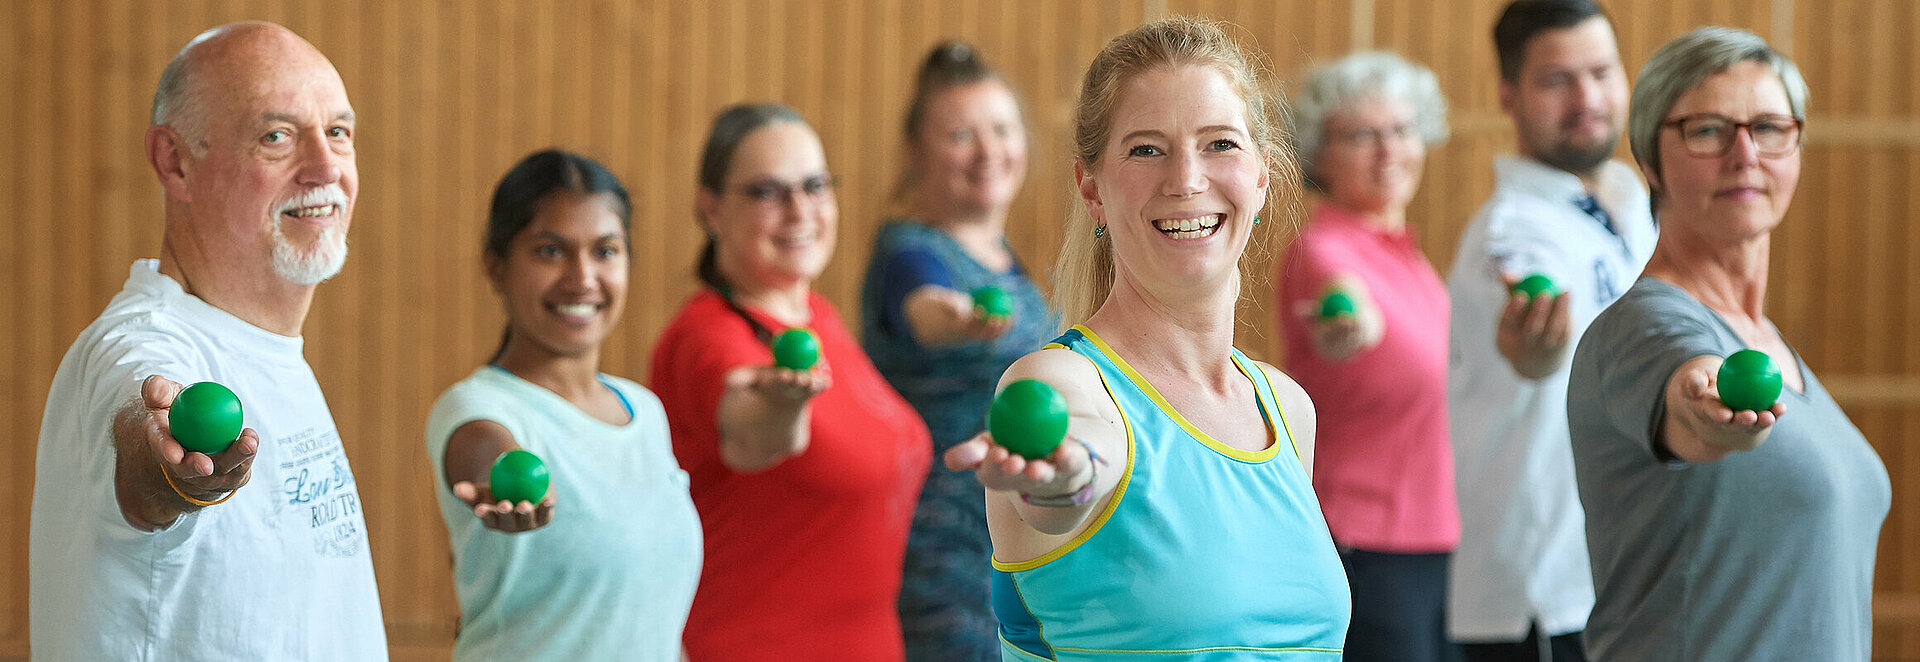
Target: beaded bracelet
column 197, row 502
column 1079, row 497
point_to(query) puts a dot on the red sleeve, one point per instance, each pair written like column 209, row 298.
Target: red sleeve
column 700, row 346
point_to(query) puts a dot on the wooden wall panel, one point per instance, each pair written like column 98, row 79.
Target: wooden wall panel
column 452, row 93
column 15, row 385
column 1848, row 286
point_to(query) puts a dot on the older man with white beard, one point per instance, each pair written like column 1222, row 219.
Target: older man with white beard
column 140, row 548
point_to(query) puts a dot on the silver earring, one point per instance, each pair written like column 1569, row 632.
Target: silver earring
column 1099, row 231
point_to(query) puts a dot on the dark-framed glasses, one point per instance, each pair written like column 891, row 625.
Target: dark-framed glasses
column 1712, row 135
column 774, row 191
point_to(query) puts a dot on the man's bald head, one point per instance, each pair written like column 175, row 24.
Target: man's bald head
column 222, row 58
column 253, row 142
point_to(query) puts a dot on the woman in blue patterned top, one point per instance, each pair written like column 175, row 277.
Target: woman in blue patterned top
column 1177, row 522
column 968, row 150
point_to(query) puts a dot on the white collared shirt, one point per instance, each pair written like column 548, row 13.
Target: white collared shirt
column 1523, row 552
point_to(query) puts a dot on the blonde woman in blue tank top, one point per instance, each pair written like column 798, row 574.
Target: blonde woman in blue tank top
column 1178, row 521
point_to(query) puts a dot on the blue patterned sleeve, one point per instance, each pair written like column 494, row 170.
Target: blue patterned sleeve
column 907, row 271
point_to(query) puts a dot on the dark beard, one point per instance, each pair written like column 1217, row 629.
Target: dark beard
column 1577, row 160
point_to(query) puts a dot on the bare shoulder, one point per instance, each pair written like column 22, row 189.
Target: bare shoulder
column 1051, row 365
column 1073, row 375
column 1296, row 409
column 1292, row 397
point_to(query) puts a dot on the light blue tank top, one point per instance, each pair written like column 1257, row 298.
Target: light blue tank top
column 1204, row 553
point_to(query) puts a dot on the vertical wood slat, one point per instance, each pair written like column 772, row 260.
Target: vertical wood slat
column 16, row 45
column 451, row 95
column 13, row 550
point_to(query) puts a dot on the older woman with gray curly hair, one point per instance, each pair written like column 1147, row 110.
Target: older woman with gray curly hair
column 1720, row 527
column 1364, row 317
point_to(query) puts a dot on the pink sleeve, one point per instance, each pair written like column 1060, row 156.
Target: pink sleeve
column 1307, row 267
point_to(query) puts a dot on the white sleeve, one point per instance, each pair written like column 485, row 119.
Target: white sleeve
column 112, row 373
column 647, row 408
column 470, row 400
column 1520, row 242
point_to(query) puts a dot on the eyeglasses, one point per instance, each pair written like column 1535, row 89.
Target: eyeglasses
column 1373, row 136
column 773, row 191
column 1712, row 135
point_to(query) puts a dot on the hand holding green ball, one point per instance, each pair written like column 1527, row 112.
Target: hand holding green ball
column 1028, row 417
column 518, row 476
column 1336, row 304
column 1536, row 286
column 992, row 303
column 796, row 349
column 206, row 417
column 1749, row 381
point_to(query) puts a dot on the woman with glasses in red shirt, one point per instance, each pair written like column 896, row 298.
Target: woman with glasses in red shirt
column 805, row 479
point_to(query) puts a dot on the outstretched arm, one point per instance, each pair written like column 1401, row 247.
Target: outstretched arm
column 1054, row 495
column 471, row 452
column 1695, row 426
column 156, row 480
column 765, row 415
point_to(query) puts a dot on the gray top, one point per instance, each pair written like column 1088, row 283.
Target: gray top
column 1763, row 555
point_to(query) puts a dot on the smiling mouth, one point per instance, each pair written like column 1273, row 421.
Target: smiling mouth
column 316, row 211
column 790, row 242
column 1190, row 228
column 578, row 311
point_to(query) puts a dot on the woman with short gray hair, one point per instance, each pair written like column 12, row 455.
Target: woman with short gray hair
column 1722, row 524
column 1345, row 84
column 1377, row 369
column 1697, row 55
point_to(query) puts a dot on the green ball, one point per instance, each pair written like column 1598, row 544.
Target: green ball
column 1336, row 304
column 1749, row 381
column 1536, row 285
column 796, row 349
column 206, row 417
column 1028, row 417
column 518, row 476
column 992, row 303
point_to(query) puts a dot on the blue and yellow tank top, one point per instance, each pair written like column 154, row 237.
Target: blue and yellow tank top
column 1204, row 553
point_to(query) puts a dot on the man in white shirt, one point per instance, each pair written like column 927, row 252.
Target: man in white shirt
column 1521, row 585
column 141, row 549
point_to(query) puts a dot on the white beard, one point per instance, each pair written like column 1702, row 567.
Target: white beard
column 311, row 266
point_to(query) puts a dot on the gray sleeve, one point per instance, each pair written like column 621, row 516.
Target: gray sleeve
column 1635, row 348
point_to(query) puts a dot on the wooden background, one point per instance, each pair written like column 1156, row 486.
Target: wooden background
column 451, row 93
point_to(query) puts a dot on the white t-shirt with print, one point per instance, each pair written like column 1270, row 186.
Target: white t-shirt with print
column 1523, row 545
column 281, row 571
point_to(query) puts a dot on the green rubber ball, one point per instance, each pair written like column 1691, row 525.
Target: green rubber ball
column 796, row 349
column 518, row 476
column 992, row 302
column 1028, row 417
column 206, row 417
column 1749, row 381
column 1336, row 304
column 1536, row 285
